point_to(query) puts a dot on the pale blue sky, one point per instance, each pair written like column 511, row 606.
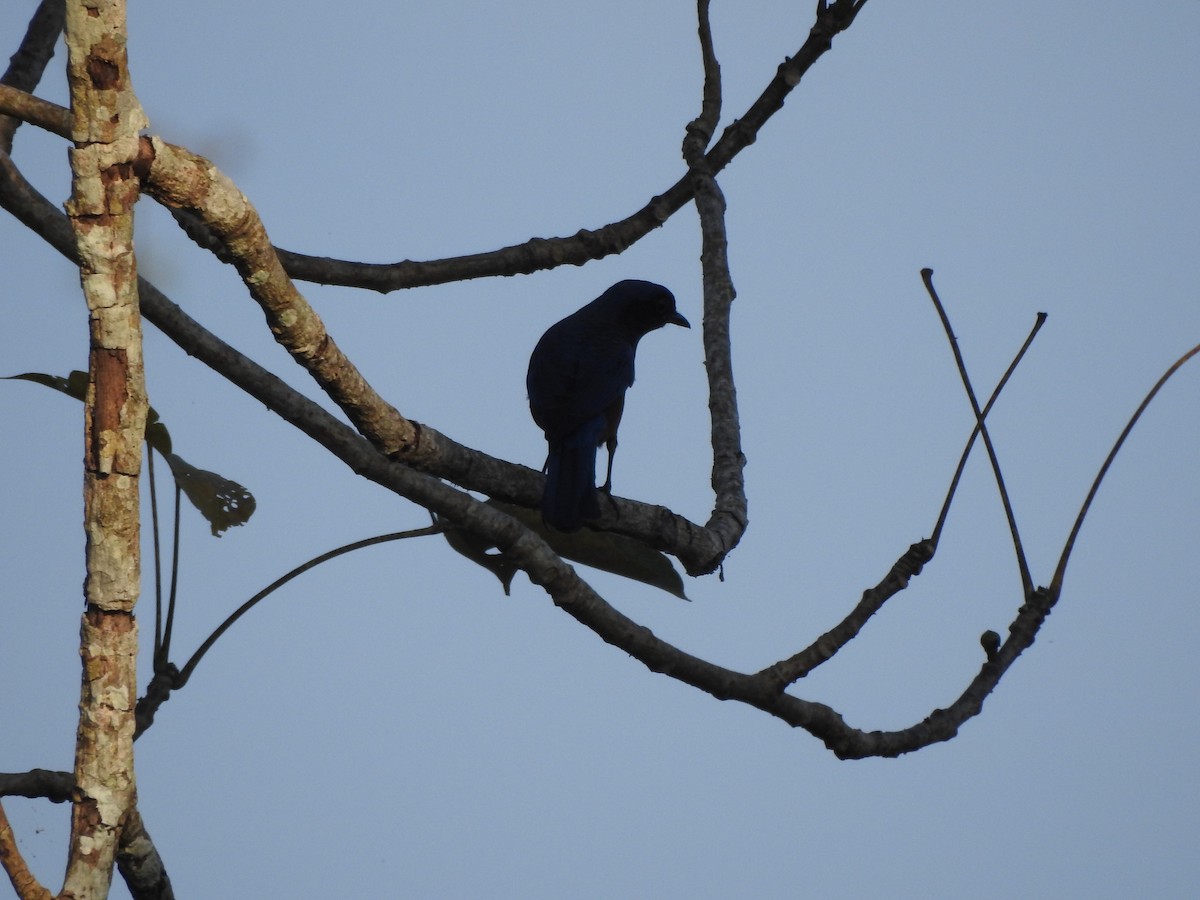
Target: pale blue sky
column 392, row 724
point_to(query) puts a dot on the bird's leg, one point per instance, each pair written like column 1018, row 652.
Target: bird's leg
column 612, row 421
column 611, row 444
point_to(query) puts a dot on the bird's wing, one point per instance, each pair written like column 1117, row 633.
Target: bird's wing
column 574, row 377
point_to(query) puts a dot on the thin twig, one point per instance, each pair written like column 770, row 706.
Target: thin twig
column 962, row 462
column 186, row 672
column 171, row 596
column 787, row 671
column 168, row 678
column 160, row 655
column 1056, row 583
column 1022, row 563
column 797, row 666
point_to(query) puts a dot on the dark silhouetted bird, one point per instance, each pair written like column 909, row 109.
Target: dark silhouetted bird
column 578, row 375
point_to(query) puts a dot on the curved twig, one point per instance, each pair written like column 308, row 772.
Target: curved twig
column 186, row 672
column 168, row 678
column 1060, row 571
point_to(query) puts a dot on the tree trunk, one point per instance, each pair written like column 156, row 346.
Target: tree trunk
column 106, row 120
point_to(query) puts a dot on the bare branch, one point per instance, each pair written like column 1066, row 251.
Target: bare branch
column 787, row 671
column 546, row 253
column 57, row 787
column 586, row 245
column 19, row 104
column 139, row 863
column 138, row 859
column 729, row 517
column 178, row 178
column 29, row 62
column 700, row 131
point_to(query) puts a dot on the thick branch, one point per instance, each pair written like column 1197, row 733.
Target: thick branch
column 179, row 178
column 729, row 517
column 57, row 787
column 139, row 862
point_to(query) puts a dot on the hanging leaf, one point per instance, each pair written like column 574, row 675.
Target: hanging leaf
column 475, row 548
column 74, row 385
column 613, row 553
column 222, row 502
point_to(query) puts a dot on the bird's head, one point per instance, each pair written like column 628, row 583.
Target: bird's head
column 644, row 305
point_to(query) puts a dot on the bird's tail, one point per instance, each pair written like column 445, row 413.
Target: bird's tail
column 570, row 495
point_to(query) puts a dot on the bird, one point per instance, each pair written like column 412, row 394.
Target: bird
column 578, row 374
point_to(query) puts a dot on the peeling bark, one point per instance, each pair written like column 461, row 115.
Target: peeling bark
column 105, row 122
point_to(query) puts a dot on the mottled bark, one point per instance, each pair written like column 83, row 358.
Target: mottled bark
column 105, row 122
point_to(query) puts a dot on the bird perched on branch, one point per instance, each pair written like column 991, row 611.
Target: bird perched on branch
column 578, row 375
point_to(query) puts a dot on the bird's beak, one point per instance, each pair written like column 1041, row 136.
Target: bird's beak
column 677, row 319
